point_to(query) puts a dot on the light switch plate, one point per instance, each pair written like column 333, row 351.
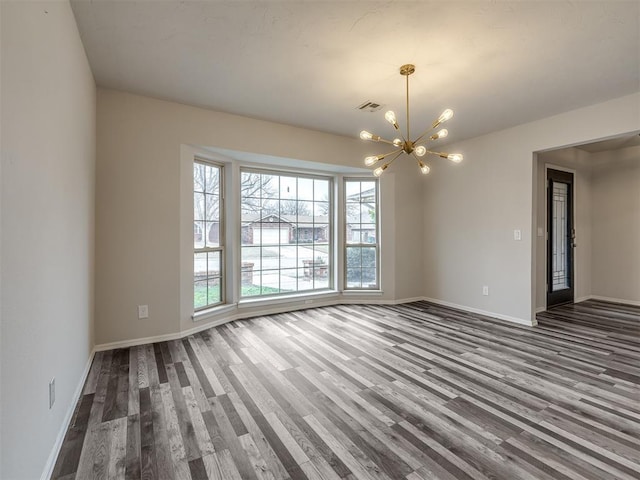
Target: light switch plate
column 517, row 234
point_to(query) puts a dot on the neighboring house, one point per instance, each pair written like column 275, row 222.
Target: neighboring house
column 285, row 229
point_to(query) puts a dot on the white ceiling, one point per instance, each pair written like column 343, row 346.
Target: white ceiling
column 310, row 64
column 624, row 141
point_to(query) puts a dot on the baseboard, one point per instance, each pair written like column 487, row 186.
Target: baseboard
column 273, row 310
column 55, row 451
column 582, row 299
column 540, row 309
column 508, row 318
column 137, row 341
column 634, row 303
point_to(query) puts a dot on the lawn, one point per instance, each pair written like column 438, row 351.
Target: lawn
column 200, row 294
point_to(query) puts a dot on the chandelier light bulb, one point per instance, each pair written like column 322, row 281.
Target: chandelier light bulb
column 446, row 115
column 378, row 171
column 371, row 161
column 364, row 135
column 424, row 168
column 420, row 150
column 397, row 142
column 391, row 118
column 440, row 134
column 455, row 157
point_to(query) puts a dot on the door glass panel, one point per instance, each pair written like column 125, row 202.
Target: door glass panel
column 560, row 261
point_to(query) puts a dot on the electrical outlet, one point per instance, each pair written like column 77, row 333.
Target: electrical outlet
column 485, row 290
column 52, row 392
column 143, row 311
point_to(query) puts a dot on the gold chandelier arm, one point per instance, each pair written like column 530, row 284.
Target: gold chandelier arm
column 384, row 140
column 424, row 169
column 423, row 135
column 394, row 158
column 440, row 154
column 399, row 151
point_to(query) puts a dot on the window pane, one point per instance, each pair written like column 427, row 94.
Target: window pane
column 212, row 207
column 305, row 211
column 353, row 277
column 213, row 290
column 200, row 294
column 321, row 211
column 212, row 230
column 368, row 257
column 288, row 281
column 305, row 189
column 352, row 191
column 354, row 257
column 270, row 186
column 213, row 264
column 368, row 278
column 321, row 190
column 288, row 187
column 353, row 213
column 212, row 180
column 198, row 177
column 361, row 234
column 198, row 234
column 207, row 266
column 293, row 215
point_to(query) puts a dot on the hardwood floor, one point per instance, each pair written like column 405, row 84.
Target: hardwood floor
column 414, row 391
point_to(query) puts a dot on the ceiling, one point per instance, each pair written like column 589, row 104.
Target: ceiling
column 310, row 64
column 624, row 141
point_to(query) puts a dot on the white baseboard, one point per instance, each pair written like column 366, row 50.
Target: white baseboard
column 508, row 318
column 55, row 451
column 615, row 300
column 540, row 309
column 272, row 310
column 582, row 299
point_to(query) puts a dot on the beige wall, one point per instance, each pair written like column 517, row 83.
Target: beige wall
column 47, row 197
column 139, row 223
column 471, row 209
column 616, row 224
column 577, row 161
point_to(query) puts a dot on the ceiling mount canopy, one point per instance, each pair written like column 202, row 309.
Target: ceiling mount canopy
column 405, row 144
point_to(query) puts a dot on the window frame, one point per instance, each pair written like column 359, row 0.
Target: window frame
column 331, row 241
column 347, row 245
column 221, row 234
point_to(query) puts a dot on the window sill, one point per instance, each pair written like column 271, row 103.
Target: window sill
column 304, row 297
column 354, row 292
column 213, row 311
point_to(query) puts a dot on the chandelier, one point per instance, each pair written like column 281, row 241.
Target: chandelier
column 405, row 144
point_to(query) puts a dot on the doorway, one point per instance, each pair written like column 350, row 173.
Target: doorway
column 560, row 238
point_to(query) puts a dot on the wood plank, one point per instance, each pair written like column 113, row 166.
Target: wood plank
column 414, row 391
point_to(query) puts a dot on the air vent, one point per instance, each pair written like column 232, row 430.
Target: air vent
column 369, row 107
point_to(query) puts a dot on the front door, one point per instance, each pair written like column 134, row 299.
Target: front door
column 561, row 237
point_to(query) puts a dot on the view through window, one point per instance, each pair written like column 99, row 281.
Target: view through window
column 361, row 211
column 207, row 235
column 285, row 233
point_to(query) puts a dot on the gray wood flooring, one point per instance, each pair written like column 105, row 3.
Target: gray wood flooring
column 414, row 391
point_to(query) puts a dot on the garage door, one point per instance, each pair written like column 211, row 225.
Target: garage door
column 275, row 236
